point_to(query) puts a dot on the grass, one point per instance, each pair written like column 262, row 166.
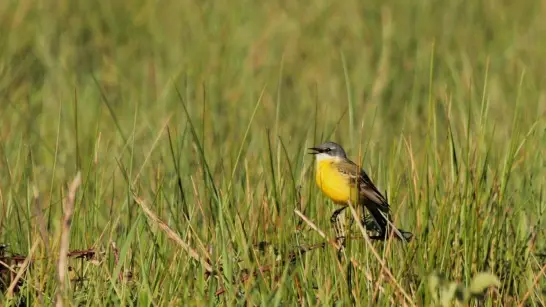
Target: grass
column 188, row 122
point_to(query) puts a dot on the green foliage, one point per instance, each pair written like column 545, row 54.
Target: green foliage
column 444, row 292
column 204, row 110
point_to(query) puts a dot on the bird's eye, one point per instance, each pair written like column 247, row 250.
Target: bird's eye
column 328, row 149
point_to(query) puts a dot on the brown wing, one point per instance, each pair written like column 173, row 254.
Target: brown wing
column 369, row 194
column 371, row 199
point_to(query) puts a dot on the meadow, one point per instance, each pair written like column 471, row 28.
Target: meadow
column 155, row 152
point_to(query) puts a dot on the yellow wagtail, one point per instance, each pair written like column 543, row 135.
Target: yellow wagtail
column 343, row 181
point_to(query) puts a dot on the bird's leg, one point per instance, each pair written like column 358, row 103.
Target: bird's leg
column 340, row 234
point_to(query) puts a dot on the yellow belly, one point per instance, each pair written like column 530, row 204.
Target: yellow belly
column 334, row 184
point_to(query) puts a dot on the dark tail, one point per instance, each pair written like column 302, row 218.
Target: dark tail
column 380, row 222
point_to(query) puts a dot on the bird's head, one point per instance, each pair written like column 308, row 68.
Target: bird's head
column 328, row 150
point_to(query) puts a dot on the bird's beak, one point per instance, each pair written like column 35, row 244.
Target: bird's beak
column 314, row 150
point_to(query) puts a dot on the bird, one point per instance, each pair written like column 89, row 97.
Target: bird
column 343, row 181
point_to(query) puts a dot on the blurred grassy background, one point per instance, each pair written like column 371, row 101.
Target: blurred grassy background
column 91, row 86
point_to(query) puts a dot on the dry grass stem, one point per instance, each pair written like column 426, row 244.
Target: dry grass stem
column 175, row 237
column 22, row 270
column 315, row 228
column 535, row 283
column 66, row 223
column 378, row 257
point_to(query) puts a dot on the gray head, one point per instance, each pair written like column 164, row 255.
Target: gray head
column 328, row 149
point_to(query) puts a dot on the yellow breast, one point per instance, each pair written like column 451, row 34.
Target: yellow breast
column 334, row 184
